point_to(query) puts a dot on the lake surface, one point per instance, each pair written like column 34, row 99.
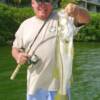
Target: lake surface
column 86, row 74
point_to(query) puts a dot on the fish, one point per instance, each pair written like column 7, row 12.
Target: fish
column 64, row 53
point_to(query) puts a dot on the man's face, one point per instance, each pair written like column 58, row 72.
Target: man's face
column 42, row 9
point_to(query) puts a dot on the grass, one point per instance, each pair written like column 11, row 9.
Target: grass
column 11, row 90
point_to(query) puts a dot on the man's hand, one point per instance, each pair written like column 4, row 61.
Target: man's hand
column 81, row 15
column 22, row 58
column 19, row 56
column 71, row 9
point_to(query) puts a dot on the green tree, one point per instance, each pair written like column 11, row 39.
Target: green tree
column 64, row 2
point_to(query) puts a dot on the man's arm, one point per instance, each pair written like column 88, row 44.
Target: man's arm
column 81, row 15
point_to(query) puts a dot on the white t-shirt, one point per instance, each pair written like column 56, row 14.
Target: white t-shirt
column 40, row 75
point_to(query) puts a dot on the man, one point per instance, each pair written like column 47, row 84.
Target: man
column 36, row 41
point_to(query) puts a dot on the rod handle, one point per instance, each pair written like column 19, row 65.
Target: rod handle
column 15, row 71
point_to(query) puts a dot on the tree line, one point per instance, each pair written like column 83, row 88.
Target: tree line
column 11, row 17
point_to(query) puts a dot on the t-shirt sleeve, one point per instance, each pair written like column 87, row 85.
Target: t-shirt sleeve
column 18, row 42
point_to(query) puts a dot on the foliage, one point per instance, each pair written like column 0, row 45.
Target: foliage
column 10, row 19
column 90, row 32
column 19, row 3
column 64, row 2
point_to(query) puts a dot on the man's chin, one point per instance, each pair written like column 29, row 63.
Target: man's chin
column 43, row 17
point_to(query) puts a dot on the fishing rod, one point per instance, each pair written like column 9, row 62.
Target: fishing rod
column 34, row 56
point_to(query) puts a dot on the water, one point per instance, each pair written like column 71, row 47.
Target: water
column 86, row 72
